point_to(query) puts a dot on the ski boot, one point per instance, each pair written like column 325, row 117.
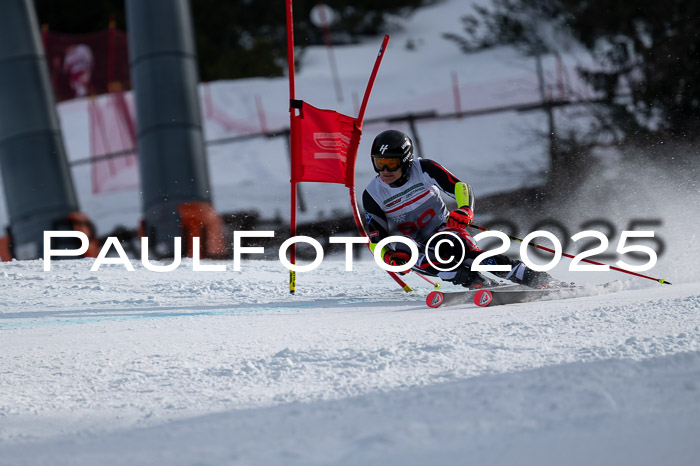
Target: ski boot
column 531, row 278
column 470, row 279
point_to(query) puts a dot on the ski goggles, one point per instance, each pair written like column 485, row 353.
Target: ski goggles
column 386, row 163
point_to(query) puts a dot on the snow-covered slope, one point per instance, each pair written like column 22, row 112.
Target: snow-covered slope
column 117, row 367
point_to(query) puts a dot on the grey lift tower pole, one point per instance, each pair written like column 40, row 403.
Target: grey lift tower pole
column 36, row 177
column 174, row 178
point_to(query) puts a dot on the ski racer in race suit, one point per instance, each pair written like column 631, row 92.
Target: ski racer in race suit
column 404, row 199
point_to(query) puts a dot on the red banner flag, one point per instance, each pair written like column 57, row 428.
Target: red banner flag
column 326, row 146
column 82, row 65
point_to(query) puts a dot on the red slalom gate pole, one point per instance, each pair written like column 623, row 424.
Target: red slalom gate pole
column 372, row 77
column 292, row 140
column 660, row 280
column 355, row 143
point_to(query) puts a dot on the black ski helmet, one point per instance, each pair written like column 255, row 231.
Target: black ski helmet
column 393, row 143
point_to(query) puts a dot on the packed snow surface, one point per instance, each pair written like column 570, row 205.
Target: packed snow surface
column 118, row 367
column 215, row 368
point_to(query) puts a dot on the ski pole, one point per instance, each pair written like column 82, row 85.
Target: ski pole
column 437, row 285
column 401, row 283
column 660, row 280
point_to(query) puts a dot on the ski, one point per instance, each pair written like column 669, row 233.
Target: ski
column 451, row 298
column 484, row 298
column 505, row 294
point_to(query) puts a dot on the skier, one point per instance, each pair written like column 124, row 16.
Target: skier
column 404, row 199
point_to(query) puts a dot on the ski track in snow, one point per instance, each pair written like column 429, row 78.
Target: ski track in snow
column 105, row 356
